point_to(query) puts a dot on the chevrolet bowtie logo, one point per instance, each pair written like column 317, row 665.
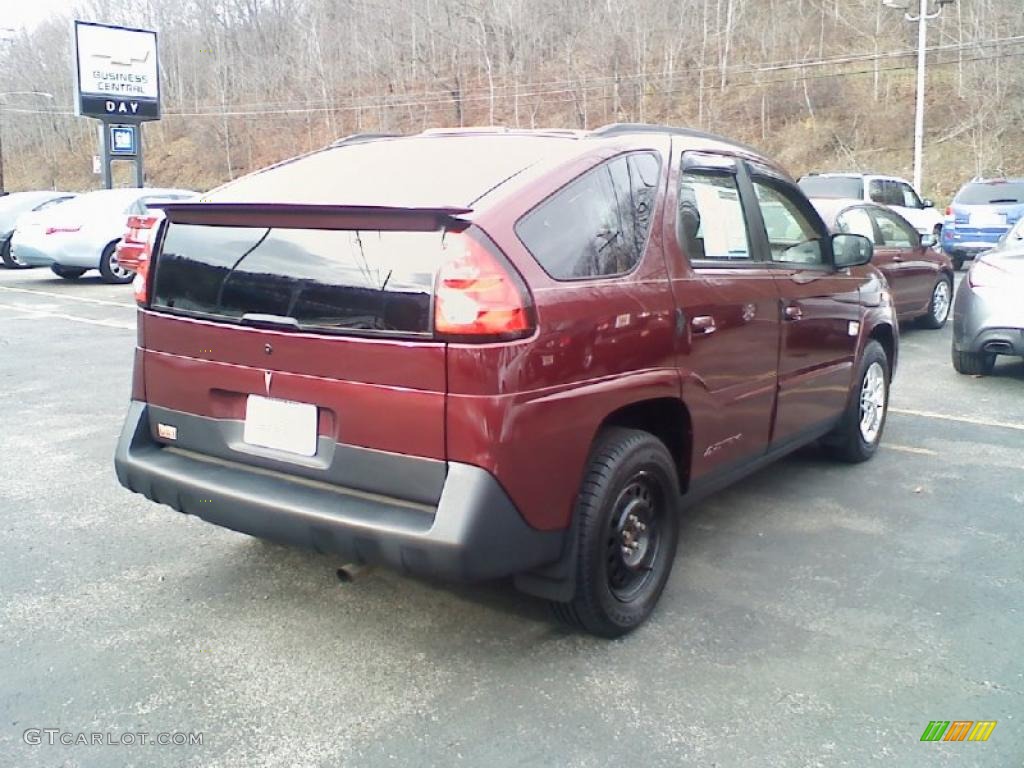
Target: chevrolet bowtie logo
column 123, row 60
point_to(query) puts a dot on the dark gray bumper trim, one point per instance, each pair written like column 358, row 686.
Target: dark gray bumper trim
column 475, row 532
column 407, row 477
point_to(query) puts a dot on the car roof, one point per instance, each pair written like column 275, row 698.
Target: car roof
column 455, row 166
column 856, row 175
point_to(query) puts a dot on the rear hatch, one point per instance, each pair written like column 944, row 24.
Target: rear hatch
column 300, row 338
column 985, row 211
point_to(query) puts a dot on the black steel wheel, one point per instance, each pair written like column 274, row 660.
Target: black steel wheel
column 628, row 527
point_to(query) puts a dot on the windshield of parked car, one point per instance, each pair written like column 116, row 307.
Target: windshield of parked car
column 992, row 193
column 833, row 187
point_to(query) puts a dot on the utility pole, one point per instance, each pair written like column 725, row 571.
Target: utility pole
column 928, row 10
column 2, row 97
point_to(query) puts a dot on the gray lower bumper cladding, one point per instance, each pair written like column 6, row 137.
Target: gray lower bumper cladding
column 473, row 533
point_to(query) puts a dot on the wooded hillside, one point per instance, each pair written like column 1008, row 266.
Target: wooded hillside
column 820, row 84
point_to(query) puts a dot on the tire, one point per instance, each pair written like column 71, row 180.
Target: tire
column 958, row 263
column 938, row 237
column 68, row 273
column 8, row 258
column 974, row 363
column 628, row 527
column 110, row 270
column 940, row 304
column 851, row 441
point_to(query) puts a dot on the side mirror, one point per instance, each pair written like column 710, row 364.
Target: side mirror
column 851, row 251
column 929, row 240
column 926, row 203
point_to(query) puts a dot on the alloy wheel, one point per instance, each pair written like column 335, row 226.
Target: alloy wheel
column 115, row 267
column 941, row 301
column 872, row 403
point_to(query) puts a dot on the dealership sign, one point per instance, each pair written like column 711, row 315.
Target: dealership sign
column 117, row 75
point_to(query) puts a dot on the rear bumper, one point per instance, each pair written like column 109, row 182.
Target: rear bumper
column 30, row 254
column 984, row 322
column 473, row 533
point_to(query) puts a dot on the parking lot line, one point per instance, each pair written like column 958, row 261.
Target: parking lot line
column 69, row 298
column 960, row 419
column 35, row 314
column 909, row 449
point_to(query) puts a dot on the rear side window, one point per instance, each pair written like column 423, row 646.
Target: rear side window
column 856, row 221
column 596, row 226
column 992, row 193
column 343, row 280
column 51, row 203
column 711, row 224
column 896, row 233
column 910, row 198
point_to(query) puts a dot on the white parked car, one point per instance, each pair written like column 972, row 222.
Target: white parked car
column 892, row 191
column 16, row 205
column 83, row 233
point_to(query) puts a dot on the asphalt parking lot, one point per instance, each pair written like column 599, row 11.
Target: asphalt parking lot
column 818, row 614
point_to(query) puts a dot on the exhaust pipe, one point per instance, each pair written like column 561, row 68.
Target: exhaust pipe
column 999, row 347
column 349, row 572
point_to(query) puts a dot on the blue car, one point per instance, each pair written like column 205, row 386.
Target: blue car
column 981, row 214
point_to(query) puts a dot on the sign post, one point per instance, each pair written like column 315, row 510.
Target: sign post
column 117, row 81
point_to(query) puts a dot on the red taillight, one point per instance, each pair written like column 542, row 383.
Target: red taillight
column 949, row 210
column 479, row 296
column 54, row 230
column 985, row 275
column 139, row 239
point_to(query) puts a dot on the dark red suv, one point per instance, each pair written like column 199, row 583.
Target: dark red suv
column 485, row 353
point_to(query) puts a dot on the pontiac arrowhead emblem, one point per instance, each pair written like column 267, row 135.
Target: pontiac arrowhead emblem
column 266, row 380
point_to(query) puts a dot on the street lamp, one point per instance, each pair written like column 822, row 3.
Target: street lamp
column 929, row 9
column 4, row 95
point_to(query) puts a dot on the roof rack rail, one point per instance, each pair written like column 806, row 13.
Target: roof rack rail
column 360, row 138
column 618, row 129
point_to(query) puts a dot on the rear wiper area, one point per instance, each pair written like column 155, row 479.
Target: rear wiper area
column 269, row 321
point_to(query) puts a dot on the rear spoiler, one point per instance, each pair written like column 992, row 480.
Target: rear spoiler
column 315, row 216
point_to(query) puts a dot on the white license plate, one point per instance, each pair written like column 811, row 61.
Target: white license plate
column 988, row 219
column 280, row 424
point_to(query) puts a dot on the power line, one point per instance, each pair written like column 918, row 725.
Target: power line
column 444, row 96
column 574, row 87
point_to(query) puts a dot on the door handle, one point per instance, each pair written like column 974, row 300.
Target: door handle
column 703, row 325
column 792, row 312
column 898, row 259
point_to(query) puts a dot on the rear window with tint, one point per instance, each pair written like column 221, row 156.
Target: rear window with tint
column 597, row 225
column 1002, row 193
column 833, row 187
column 335, row 280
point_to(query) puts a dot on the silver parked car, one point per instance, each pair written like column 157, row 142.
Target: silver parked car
column 83, row 234
column 988, row 314
column 16, row 204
